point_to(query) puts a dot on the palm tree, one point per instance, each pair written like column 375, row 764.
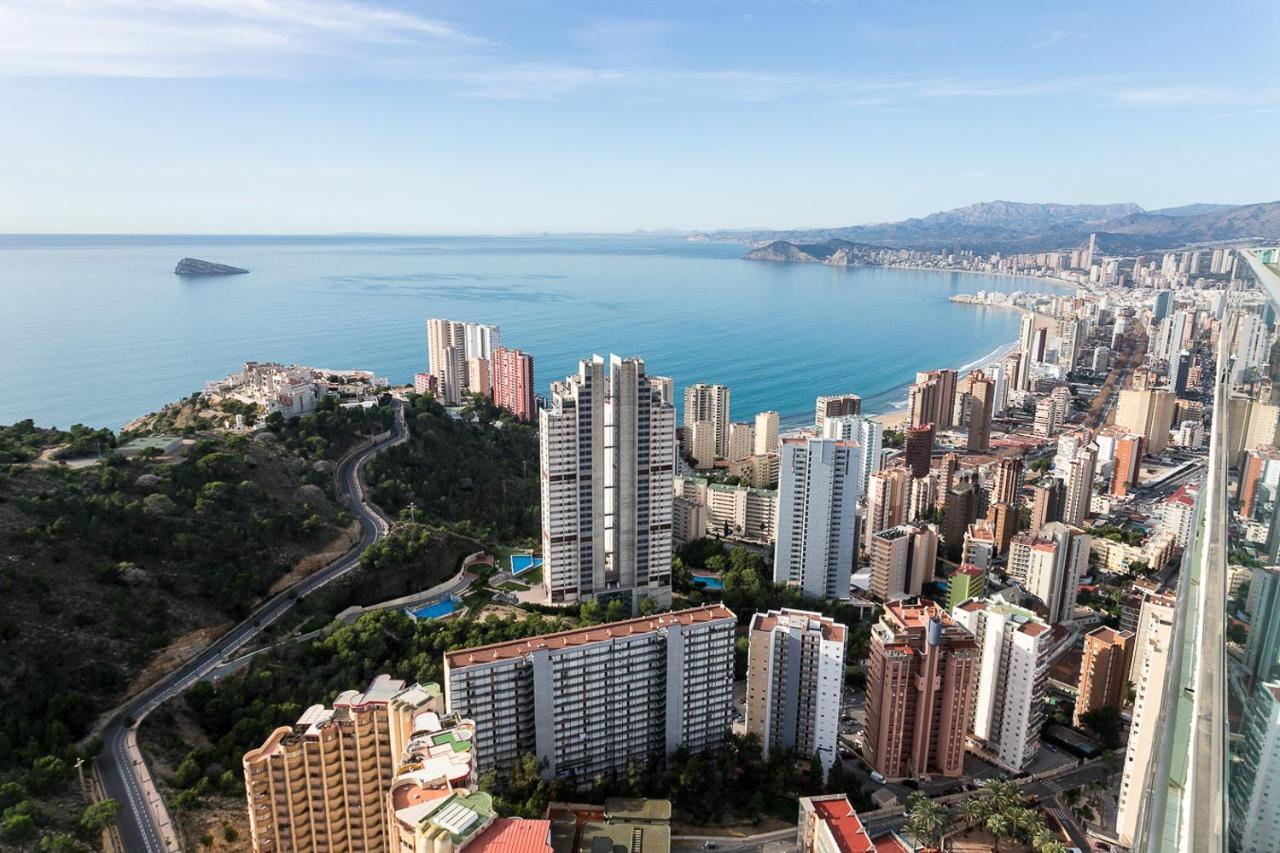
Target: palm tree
column 927, row 819
column 998, row 824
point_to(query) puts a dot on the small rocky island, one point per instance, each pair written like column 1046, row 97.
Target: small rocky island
column 195, row 266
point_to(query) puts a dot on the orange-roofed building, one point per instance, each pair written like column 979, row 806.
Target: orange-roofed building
column 828, row 824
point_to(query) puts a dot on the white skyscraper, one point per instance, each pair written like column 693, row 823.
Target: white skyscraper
column 1050, row 566
column 1028, row 344
column 704, row 402
column 1151, row 660
column 1251, row 345
column 868, row 433
column 1169, row 337
column 1079, row 485
column 817, row 515
column 607, row 454
column 1255, row 778
column 1008, row 705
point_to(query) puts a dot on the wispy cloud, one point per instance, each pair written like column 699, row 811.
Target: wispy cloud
column 201, row 38
column 1056, row 37
column 1199, row 95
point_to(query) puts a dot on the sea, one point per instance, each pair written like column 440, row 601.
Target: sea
column 98, row 329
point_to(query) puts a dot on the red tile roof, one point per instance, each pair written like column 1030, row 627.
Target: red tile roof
column 513, row 835
column 845, row 826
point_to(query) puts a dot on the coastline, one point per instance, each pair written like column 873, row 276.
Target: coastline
column 1057, row 282
column 899, row 416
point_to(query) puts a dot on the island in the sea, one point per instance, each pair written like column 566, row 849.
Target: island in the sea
column 195, row 266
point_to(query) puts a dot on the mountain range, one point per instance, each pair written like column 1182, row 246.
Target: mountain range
column 1010, row 226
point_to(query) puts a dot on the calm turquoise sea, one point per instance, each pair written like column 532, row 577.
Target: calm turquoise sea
column 98, row 330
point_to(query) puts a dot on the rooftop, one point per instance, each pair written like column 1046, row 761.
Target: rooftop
column 513, row 835
column 846, row 828
column 831, row 629
column 583, row 636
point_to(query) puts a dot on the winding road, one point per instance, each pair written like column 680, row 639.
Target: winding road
column 144, row 822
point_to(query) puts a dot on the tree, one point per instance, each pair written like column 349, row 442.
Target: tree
column 98, row 816
column 1106, row 724
column 927, row 819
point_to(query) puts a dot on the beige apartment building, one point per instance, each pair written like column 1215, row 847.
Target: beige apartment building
column 321, row 784
column 795, row 671
column 1104, row 671
column 732, row 511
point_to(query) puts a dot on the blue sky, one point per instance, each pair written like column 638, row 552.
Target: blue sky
column 319, row 116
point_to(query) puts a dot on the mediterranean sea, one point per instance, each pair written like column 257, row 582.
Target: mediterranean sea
column 98, row 329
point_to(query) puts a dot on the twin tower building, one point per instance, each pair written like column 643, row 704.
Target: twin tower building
column 608, row 457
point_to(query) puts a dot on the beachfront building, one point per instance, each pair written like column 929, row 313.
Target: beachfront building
column 454, row 348
column 705, row 403
column 834, row 405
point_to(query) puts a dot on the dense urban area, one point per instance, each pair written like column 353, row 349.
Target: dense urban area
column 309, row 609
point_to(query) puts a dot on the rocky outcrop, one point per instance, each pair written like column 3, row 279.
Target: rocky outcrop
column 780, row 250
column 195, row 266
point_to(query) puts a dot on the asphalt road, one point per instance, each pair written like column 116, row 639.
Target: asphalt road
column 144, row 821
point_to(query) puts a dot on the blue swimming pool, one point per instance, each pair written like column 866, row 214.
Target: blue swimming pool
column 434, row 611
column 524, row 562
column 708, row 581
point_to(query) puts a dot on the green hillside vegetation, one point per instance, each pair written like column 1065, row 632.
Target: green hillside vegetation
column 108, row 564
column 477, row 474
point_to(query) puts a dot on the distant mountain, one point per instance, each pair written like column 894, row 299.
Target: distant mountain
column 1007, row 226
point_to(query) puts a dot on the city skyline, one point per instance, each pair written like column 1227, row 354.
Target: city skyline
column 382, row 116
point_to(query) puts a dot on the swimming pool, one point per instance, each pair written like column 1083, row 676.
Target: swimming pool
column 708, row 581
column 524, row 562
column 435, row 610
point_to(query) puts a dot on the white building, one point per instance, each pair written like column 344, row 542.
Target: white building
column 1151, row 656
column 869, row 435
column 732, row 512
column 742, row 439
column 607, row 456
column 591, row 701
column 817, row 515
column 1178, row 514
column 795, row 672
column 1255, row 778
column 1049, row 566
column 1008, row 704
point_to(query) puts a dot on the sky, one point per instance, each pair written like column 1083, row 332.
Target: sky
column 516, row 116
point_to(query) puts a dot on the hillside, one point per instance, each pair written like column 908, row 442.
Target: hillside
column 1004, row 226
column 116, row 569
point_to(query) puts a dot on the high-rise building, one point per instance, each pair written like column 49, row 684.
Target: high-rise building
column 704, row 402
column 766, row 433
column 902, row 561
column 450, row 345
column 968, row 581
column 1006, row 483
column 982, row 407
column 1003, row 521
column 1104, row 671
column 1127, row 466
column 921, row 673
column 700, row 443
column 869, row 435
column 828, row 824
column 1008, row 700
column 607, row 455
column 1049, row 566
column 886, row 499
column 932, row 398
column 817, row 515
column 961, row 511
column 1161, row 304
column 741, row 442
column 1069, row 342
column 1030, row 350
column 665, row 387
column 513, row 382
column 590, row 701
column 918, row 451
column 322, row 783
column 795, row 676
column 479, row 378
column 1046, row 503
column 1046, row 417
column 1262, row 649
column 833, row 405
column 1079, row 486
column 1152, row 646
column 1148, row 413
column 1254, row 789
column 979, row 546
